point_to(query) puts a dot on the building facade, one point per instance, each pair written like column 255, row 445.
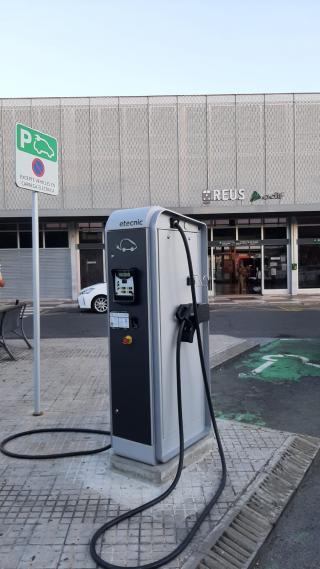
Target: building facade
column 248, row 165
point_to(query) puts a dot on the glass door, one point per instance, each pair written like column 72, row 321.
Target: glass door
column 275, row 268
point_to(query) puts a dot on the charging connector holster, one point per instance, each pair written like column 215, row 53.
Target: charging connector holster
column 185, row 313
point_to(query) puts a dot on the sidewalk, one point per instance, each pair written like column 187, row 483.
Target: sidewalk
column 256, row 300
column 49, row 509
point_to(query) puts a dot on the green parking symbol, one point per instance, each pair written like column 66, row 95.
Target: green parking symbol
column 282, row 360
column 36, row 143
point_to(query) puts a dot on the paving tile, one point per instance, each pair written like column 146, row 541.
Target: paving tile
column 50, row 509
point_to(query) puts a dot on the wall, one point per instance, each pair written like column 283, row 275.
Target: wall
column 134, row 151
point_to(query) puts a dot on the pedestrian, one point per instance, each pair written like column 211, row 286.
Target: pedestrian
column 243, row 273
column 1, row 279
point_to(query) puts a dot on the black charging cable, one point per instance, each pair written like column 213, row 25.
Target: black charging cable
column 108, row 525
column 12, row 454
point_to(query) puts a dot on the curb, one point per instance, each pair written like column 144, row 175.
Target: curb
column 238, row 538
column 218, row 358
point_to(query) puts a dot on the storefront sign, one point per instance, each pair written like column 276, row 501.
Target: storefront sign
column 245, row 242
column 209, row 196
column 275, row 196
column 222, row 195
column 233, row 243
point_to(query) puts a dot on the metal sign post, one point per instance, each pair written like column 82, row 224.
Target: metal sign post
column 36, row 305
column 36, row 170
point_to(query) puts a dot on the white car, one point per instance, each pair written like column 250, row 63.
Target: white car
column 94, row 297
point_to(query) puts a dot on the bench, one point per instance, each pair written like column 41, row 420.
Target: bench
column 11, row 322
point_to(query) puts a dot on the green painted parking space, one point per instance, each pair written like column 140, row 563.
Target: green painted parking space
column 276, row 385
column 282, row 360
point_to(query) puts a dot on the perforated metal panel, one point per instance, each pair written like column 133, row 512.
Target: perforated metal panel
column 45, row 116
column 279, row 116
column 250, row 144
column 307, row 146
column 13, row 111
column 133, row 151
column 134, row 141
column 222, row 158
column 76, row 149
column 105, row 152
column 163, row 141
column 193, row 172
column 1, row 162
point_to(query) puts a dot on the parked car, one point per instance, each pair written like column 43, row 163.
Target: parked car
column 94, row 297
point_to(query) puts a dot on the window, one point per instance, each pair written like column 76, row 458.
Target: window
column 275, row 233
column 224, row 233
column 54, row 225
column 309, row 266
column 90, row 236
column 307, row 220
column 26, row 239
column 305, row 231
column 274, row 220
column 56, row 239
column 8, row 240
column 249, row 233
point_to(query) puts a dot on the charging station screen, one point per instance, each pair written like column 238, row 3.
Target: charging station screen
column 123, row 286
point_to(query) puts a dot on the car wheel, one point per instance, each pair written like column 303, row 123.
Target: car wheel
column 100, row 304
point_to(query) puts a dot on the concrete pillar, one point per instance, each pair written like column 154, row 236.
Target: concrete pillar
column 293, row 266
column 75, row 265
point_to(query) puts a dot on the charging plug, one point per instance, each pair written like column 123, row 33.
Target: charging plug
column 185, row 313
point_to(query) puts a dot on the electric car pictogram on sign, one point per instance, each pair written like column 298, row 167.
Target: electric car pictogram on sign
column 38, row 167
column 127, row 245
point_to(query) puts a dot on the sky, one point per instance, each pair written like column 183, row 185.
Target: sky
column 72, row 48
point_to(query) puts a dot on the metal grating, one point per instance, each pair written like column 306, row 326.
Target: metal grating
column 307, row 145
column 134, row 144
column 238, row 545
column 279, row 118
column 250, row 139
column 163, row 145
column 1, row 162
column 192, row 126
column 222, row 159
column 76, row 164
column 105, row 152
column 12, row 112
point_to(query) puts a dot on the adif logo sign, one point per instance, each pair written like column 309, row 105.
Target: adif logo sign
column 222, row 195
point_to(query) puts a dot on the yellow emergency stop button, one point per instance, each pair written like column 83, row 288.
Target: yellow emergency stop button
column 127, row 340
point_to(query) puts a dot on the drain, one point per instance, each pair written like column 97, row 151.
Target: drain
column 238, row 545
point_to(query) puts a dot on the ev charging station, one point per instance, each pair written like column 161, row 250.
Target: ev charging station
column 148, row 279
column 159, row 393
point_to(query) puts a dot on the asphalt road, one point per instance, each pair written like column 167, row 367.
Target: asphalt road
column 291, row 404
column 241, row 321
column 287, row 321
column 294, row 543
